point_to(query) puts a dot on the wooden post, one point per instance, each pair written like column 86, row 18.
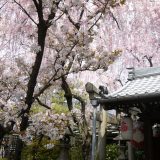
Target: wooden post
column 130, row 151
column 148, row 139
column 101, row 150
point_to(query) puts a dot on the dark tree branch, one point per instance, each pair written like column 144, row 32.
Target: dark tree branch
column 130, row 51
column 42, row 90
column 80, row 99
column 68, row 96
column 149, row 59
column 22, row 8
column 68, row 93
column 95, row 22
column 42, row 30
column 101, row 13
column 71, row 131
column 81, row 14
column 119, row 80
column 115, row 19
column 36, row 67
column 54, row 77
column 76, row 25
column 52, row 14
column 3, row 5
column 59, row 17
column 42, row 104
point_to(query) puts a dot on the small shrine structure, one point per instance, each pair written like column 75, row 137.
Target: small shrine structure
column 140, row 97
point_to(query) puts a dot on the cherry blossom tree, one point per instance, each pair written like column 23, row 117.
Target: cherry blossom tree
column 42, row 43
column 136, row 33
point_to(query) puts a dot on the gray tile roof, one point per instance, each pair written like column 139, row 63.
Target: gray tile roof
column 143, row 83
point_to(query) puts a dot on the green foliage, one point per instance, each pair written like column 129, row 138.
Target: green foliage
column 60, row 109
column 122, row 1
column 112, row 152
column 139, row 155
column 76, row 153
column 36, row 108
column 59, row 98
column 116, row 3
column 58, row 103
column 38, row 151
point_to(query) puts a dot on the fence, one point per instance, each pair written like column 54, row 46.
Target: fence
column 10, row 146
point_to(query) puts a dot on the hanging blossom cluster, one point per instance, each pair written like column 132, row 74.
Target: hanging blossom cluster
column 9, row 114
column 70, row 37
column 53, row 125
column 48, row 124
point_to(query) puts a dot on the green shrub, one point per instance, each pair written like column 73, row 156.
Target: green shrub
column 76, row 153
column 40, row 152
column 112, row 152
column 139, row 154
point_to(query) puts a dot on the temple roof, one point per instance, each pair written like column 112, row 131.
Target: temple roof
column 143, row 85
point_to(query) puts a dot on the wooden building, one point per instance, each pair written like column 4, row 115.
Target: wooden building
column 141, row 96
column 141, row 93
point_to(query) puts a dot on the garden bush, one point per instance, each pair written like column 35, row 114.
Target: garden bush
column 112, row 152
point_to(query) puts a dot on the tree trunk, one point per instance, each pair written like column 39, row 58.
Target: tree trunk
column 42, row 30
column 86, row 149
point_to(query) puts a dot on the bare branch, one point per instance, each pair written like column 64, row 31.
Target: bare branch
column 99, row 11
column 71, row 131
column 68, row 96
column 82, row 13
column 3, row 5
column 149, row 59
column 95, row 22
column 59, row 17
column 115, row 19
column 52, row 14
column 80, row 99
column 22, row 8
column 138, row 60
column 120, row 81
column 42, row 104
column 48, row 85
column 68, row 93
column 77, row 25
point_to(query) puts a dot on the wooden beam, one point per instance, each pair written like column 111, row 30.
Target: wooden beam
column 148, row 139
